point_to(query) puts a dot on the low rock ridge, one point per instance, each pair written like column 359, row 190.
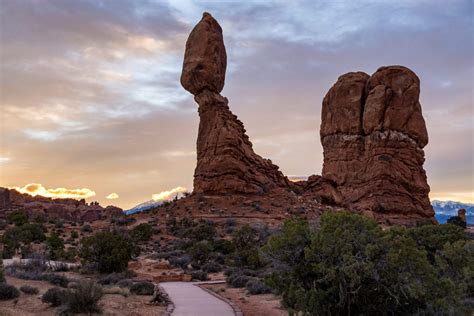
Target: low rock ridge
column 51, row 209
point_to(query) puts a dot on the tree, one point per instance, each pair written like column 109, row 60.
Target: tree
column 142, row 232
column 55, row 246
column 18, row 218
column 110, row 251
column 456, row 220
column 351, row 266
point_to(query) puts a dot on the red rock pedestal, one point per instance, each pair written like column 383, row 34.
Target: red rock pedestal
column 373, row 134
column 226, row 162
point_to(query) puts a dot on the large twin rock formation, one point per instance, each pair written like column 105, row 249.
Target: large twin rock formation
column 372, row 131
column 226, row 162
column 373, row 134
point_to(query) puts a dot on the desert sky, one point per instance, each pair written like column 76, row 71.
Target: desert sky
column 90, row 95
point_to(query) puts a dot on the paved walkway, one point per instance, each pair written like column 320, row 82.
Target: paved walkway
column 191, row 300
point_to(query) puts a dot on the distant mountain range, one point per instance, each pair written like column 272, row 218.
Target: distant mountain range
column 143, row 207
column 446, row 209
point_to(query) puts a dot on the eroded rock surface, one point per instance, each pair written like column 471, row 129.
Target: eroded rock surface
column 226, row 162
column 373, row 134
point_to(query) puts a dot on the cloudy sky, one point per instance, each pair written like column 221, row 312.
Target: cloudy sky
column 90, row 95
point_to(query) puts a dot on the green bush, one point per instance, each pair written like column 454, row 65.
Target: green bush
column 55, row 247
column 199, row 275
column 24, row 235
column 255, row 286
column 74, row 234
column 142, row 232
column 29, row 290
column 110, row 251
column 54, row 296
column 8, row 292
column 84, row 298
column 456, row 220
column 200, row 252
column 18, row 218
column 351, row 266
column 143, row 288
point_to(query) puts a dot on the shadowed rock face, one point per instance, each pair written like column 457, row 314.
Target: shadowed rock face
column 373, row 134
column 226, row 162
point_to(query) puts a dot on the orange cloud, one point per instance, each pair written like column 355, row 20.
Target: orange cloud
column 112, row 196
column 38, row 189
column 169, row 195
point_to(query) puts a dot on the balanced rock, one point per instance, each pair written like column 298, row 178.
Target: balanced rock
column 226, row 162
column 373, row 134
column 205, row 59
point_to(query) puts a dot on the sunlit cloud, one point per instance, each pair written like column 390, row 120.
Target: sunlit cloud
column 169, row 195
column 296, row 178
column 112, row 196
column 4, row 159
column 38, row 189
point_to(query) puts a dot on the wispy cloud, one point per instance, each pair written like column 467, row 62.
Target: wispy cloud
column 112, row 196
column 169, row 195
column 38, row 189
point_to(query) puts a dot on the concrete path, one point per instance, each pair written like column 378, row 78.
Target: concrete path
column 191, row 300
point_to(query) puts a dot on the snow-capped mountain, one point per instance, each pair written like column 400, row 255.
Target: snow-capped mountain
column 446, row 209
column 143, row 207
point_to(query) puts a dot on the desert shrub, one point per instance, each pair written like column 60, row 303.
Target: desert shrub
column 125, row 283
column 120, row 290
column 212, row 267
column 238, row 280
column 84, row 298
column 29, row 290
column 86, row 228
column 456, row 220
column 350, row 265
column 8, row 292
column 3, row 224
column 181, row 262
column 124, row 220
column 114, row 278
column 18, row 218
column 74, row 234
column 54, row 296
column 223, row 246
column 199, row 275
column 255, row 286
column 56, row 279
column 55, row 246
column 15, row 237
column 200, row 251
column 109, row 250
column 203, row 231
column 142, row 232
column 143, row 288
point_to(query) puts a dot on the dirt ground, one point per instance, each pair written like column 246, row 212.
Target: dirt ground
column 112, row 304
column 251, row 305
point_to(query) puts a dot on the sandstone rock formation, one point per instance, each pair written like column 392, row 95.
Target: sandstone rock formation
column 373, row 134
column 226, row 162
column 372, row 131
column 51, row 209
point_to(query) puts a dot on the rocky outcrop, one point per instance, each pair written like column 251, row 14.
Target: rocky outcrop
column 372, row 130
column 51, row 209
column 226, row 162
column 373, row 134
